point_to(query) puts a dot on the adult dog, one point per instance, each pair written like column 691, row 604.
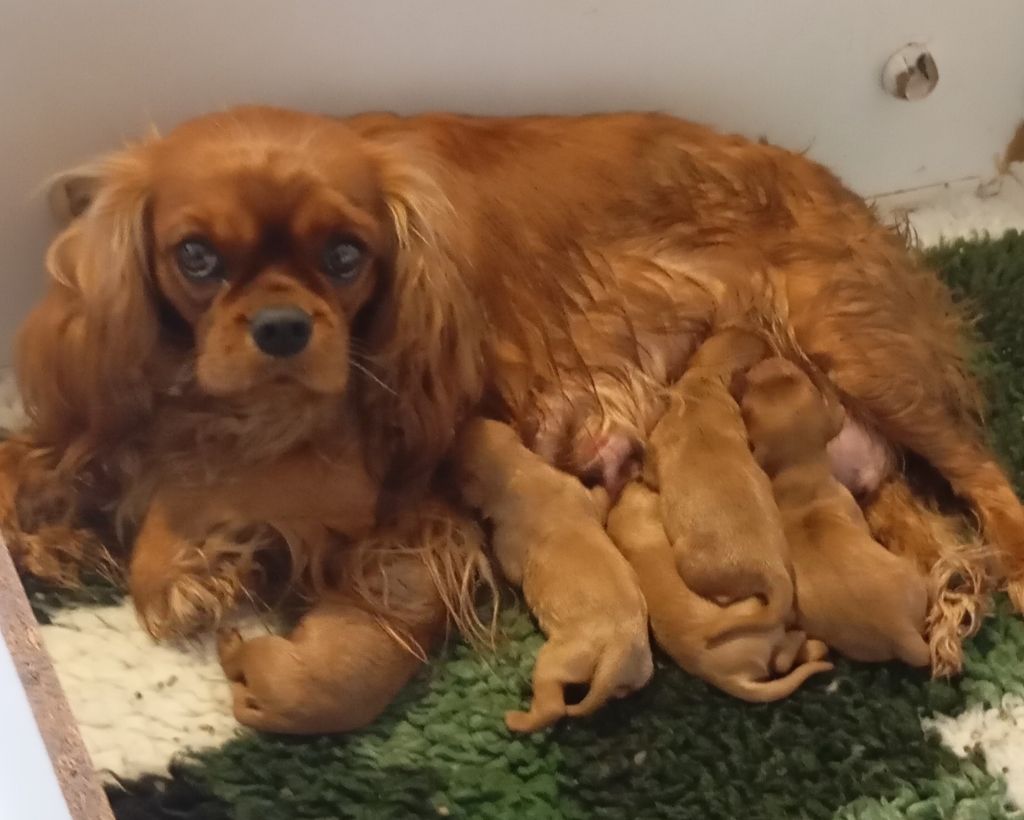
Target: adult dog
column 554, row 272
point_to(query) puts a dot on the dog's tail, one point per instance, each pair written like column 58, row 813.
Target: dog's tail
column 767, row 691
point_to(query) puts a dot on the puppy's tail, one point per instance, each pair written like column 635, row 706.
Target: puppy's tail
column 767, row 691
column 752, row 615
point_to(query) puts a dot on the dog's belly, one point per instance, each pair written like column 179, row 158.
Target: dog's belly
column 859, row 457
column 603, row 247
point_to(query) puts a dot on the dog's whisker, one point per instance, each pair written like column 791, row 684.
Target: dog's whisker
column 372, row 376
column 366, row 358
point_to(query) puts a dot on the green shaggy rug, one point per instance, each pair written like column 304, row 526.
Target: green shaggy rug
column 868, row 742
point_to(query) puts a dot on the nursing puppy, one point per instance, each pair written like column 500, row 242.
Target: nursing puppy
column 735, row 647
column 549, row 539
column 716, row 502
column 851, row 592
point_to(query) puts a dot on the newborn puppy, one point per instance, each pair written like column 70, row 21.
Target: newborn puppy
column 363, row 638
column 851, row 592
column 336, row 672
column 549, row 538
column 716, row 503
column 736, row 648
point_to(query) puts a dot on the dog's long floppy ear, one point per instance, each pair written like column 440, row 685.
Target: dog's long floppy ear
column 82, row 354
column 425, row 332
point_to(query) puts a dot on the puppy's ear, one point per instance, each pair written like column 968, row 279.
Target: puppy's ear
column 738, row 385
column 836, row 416
column 426, row 331
column 82, row 354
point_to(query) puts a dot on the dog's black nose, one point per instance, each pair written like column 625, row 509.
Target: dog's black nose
column 281, row 331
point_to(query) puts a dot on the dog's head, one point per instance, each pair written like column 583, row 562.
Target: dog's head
column 787, row 417
column 268, row 251
column 266, row 241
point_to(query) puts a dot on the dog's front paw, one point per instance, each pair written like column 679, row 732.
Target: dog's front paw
column 198, row 583
column 59, row 554
column 610, row 659
column 45, row 529
column 185, row 599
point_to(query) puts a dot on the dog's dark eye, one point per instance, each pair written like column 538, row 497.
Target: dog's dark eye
column 197, row 259
column 343, row 259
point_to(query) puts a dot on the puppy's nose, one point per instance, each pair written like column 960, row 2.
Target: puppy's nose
column 281, row 331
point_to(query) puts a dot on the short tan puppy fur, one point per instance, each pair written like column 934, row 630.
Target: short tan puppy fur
column 716, row 503
column 851, row 592
column 736, row 647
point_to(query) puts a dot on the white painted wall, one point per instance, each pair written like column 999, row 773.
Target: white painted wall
column 77, row 76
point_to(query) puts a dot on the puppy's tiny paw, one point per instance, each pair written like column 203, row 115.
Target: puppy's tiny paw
column 813, row 651
column 607, row 663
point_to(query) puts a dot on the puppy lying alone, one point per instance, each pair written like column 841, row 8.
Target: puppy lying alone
column 363, row 638
column 716, row 503
column 736, row 648
column 335, row 672
column 851, row 592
